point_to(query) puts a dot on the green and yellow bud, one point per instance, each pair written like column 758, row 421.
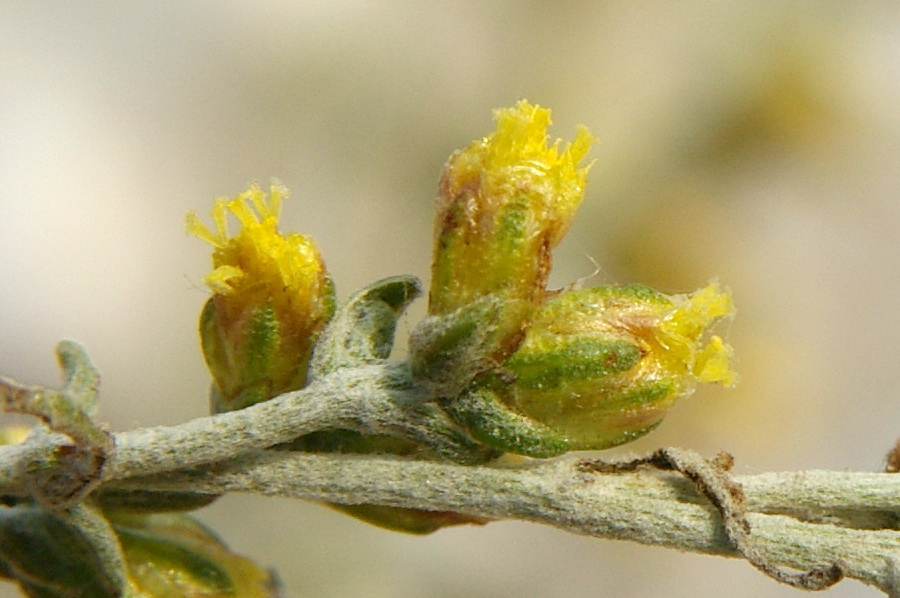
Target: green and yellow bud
column 600, row 367
column 173, row 555
column 504, row 203
column 271, row 298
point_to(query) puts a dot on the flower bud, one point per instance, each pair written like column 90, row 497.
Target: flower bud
column 600, row 367
column 504, row 203
column 272, row 296
column 174, row 555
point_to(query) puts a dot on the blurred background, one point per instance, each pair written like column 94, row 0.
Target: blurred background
column 755, row 143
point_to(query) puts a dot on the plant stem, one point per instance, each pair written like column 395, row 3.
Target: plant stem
column 802, row 520
column 641, row 506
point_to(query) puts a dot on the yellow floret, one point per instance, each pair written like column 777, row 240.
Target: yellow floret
column 505, row 202
column 682, row 334
column 258, row 260
column 271, row 298
column 516, row 157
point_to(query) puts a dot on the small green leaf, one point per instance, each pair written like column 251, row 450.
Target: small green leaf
column 488, row 419
column 362, row 331
column 50, row 557
column 81, row 378
column 447, row 351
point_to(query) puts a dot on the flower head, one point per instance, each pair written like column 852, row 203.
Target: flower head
column 271, row 298
column 597, row 368
column 603, row 366
column 505, row 202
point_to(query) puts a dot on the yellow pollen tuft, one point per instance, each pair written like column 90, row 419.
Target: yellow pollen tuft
column 683, row 332
column 517, row 157
column 520, row 141
column 258, row 259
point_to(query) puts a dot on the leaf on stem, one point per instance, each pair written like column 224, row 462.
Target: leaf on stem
column 362, row 330
column 70, row 471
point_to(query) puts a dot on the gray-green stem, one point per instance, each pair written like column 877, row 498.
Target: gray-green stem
column 374, row 399
column 797, row 518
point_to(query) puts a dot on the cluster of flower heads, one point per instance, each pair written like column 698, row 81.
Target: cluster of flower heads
column 524, row 369
column 521, row 368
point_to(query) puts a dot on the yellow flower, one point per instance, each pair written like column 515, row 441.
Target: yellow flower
column 271, row 298
column 505, row 202
column 597, row 368
column 679, row 335
column 603, row 366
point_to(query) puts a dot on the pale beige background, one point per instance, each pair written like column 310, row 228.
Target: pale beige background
column 753, row 142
